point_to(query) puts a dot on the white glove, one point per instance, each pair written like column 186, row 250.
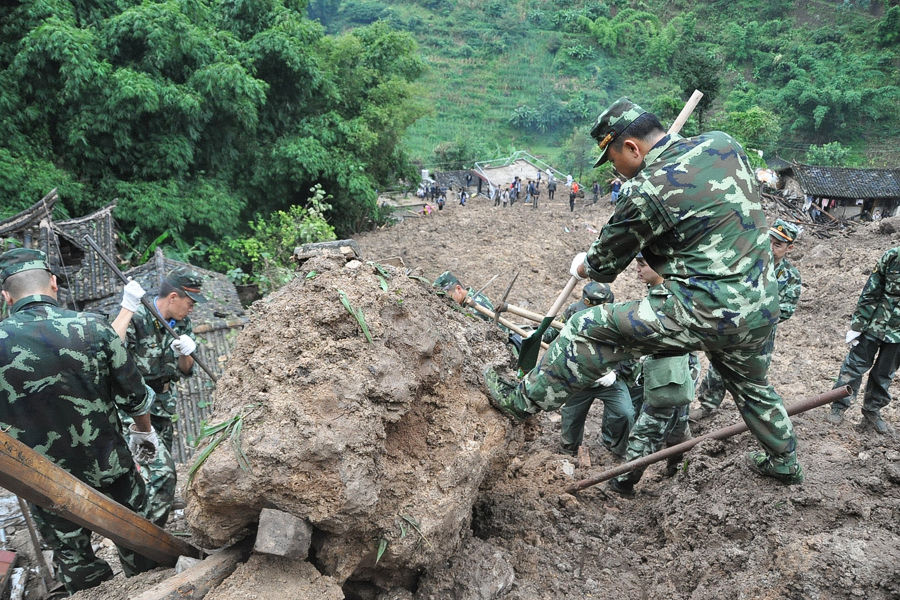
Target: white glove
column 184, row 345
column 851, row 337
column 131, row 295
column 608, row 379
column 142, row 444
column 577, row 262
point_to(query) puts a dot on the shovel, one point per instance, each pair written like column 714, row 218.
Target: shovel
column 531, row 345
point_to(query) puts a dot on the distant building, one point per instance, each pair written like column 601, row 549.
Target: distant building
column 843, row 191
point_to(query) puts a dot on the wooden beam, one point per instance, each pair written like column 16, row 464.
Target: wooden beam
column 32, row 476
column 199, row 580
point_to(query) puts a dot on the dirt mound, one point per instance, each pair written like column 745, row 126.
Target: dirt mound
column 275, row 577
column 715, row 530
column 381, row 445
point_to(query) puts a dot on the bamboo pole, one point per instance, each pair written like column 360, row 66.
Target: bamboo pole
column 505, row 322
column 718, row 434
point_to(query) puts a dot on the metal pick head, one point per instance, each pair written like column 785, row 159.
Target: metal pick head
column 502, row 305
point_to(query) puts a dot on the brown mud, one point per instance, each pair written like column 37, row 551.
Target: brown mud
column 713, row 531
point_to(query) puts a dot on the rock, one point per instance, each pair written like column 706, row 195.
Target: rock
column 372, row 443
column 480, row 571
column 889, row 225
column 396, row 594
column 282, row 534
column 184, row 563
column 347, row 249
column 264, row 576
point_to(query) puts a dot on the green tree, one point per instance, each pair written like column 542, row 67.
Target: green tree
column 198, row 115
column 698, row 69
column 832, row 154
column 754, row 128
column 578, row 153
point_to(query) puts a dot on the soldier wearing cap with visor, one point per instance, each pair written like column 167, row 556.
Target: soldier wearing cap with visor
column 64, row 377
column 692, row 207
column 782, row 236
column 874, row 338
column 612, row 391
column 162, row 361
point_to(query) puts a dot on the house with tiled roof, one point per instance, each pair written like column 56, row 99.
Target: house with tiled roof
column 88, row 284
column 847, row 192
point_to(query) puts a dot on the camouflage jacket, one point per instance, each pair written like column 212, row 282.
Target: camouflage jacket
column 694, row 212
column 788, row 278
column 149, row 343
column 878, row 310
column 552, row 333
column 63, row 374
column 481, row 300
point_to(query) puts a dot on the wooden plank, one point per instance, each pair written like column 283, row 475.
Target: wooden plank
column 32, row 476
column 196, row 582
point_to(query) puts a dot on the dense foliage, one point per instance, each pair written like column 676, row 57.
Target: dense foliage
column 230, row 130
column 202, row 118
column 785, row 77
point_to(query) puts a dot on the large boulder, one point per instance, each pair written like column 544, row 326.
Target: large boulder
column 380, row 445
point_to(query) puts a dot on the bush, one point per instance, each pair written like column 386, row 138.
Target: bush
column 264, row 258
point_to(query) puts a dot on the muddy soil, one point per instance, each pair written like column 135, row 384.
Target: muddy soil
column 715, row 530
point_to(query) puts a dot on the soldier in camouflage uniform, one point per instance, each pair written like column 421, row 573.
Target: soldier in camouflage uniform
column 692, row 206
column 63, row 374
column 874, row 330
column 448, row 283
column 782, row 236
column 162, row 360
column 618, row 413
column 666, row 390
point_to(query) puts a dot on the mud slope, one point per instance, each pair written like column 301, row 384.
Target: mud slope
column 715, row 530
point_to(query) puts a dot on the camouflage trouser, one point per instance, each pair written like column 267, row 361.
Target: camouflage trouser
column 594, row 340
column 712, row 389
column 79, row 567
column 860, row 359
column 655, row 426
column 618, row 417
column 159, row 475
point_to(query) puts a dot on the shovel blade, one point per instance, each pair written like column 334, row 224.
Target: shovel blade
column 531, row 346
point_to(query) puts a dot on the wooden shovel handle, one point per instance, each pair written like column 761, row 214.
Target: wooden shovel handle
column 562, row 297
column 685, row 113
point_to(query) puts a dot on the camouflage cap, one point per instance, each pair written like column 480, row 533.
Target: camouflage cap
column 445, row 281
column 784, row 231
column 597, row 293
column 613, row 122
column 187, row 281
column 21, row 259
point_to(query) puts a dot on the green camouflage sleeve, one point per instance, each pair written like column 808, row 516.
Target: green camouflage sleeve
column 871, row 294
column 789, row 294
column 627, row 231
column 127, row 386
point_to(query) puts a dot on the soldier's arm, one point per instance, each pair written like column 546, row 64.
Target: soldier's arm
column 789, row 296
column 127, row 387
column 121, row 322
column 871, row 295
column 185, row 364
column 620, row 240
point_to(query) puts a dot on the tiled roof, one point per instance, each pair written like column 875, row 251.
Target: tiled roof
column 844, row 182
column 223, row 301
